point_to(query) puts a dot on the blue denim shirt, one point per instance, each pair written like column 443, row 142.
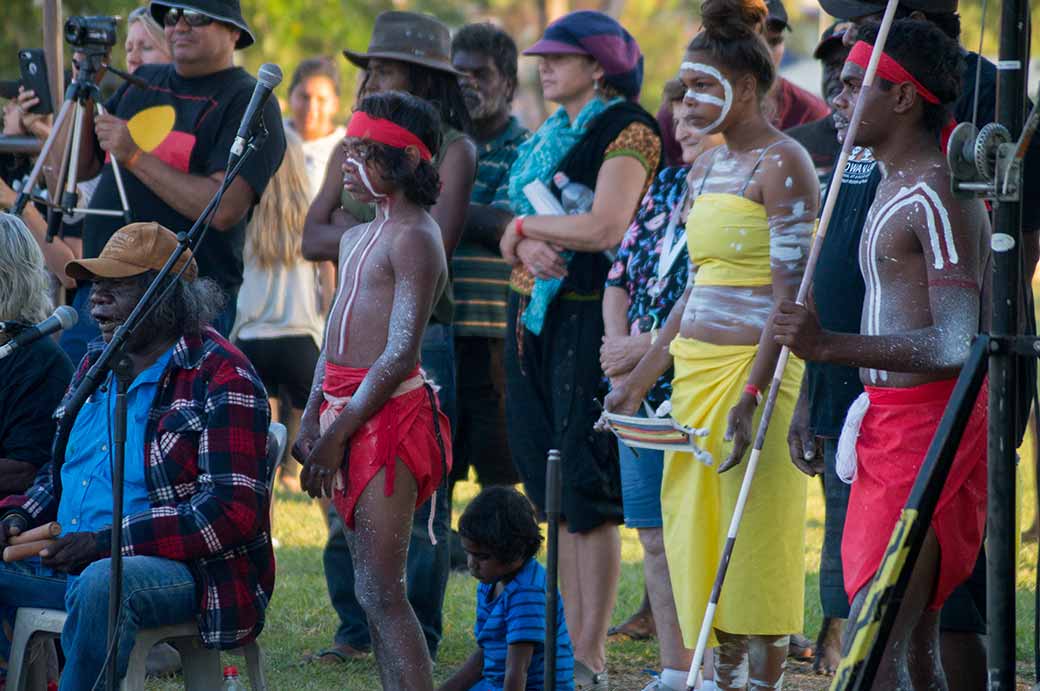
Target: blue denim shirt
column 86, row 475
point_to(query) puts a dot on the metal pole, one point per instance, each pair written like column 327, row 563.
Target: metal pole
column 1003, row 367
column 552, row 514
column 123, row 371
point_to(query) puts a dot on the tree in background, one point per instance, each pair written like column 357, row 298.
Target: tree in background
column 288, row 31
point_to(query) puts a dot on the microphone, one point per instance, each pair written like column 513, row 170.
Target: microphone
column 63, row 318
column 269, row 76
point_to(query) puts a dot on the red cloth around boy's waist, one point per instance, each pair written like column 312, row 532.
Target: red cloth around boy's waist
column 341, row 381
column 922, row 394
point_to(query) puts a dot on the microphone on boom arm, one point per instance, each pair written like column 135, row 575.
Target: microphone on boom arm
column 267, row 78
column 63, row 318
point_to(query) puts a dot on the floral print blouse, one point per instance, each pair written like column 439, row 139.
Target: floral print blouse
column 638, row 263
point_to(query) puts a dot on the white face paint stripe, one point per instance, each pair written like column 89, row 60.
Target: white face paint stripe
column 704, row 98
column 727, row 90
column 364, row 177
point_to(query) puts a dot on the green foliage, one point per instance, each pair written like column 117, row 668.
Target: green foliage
column 290, row 30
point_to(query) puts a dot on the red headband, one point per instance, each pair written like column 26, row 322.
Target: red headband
column 888, row 68
column 364, row 126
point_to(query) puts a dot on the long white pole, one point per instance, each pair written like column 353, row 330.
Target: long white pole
column 781, row 363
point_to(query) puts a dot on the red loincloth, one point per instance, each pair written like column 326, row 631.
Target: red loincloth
column 893, row 439
column 403, row 428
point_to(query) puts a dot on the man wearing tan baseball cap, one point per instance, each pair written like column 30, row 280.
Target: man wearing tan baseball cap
column 197, row 416
column 131, row 251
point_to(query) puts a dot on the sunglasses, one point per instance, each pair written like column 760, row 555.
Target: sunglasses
column 192, row 18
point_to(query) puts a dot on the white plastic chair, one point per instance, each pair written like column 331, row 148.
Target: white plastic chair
column 201, row 665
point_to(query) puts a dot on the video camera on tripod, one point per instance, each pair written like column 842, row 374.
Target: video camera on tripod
column 91, row 34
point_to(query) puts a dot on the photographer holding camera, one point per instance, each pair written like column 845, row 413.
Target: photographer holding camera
column 170, row 174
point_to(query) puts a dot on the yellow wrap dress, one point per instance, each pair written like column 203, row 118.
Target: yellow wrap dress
column 728, row 240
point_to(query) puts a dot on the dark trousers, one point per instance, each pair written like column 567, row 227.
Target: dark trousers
column 480, row 436
column 554, row 383
column 833, row 600
column 428, row 565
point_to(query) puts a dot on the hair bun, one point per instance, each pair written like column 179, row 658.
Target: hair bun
column 733, row 19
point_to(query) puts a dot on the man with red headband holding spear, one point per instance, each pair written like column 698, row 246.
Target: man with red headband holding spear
column 373, row 436
column 923, row 256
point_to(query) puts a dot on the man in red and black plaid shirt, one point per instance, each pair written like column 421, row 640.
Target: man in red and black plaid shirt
column 196, row 533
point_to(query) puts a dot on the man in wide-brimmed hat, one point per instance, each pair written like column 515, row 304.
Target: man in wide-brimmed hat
column 196, row 532
column 172, row 139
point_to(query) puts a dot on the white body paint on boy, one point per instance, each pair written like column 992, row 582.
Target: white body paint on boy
column 381, row 210
column 935, row 213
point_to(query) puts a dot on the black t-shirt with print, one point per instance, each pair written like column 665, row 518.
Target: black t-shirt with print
column 207, row 111
column 838, row 292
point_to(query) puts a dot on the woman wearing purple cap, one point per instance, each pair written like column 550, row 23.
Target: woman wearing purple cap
column 575, row 186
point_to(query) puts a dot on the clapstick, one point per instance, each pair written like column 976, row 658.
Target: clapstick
column 41, row 532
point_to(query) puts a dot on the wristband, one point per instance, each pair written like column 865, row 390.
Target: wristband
column 754, row 391
column 519, row 225
column 133, row 158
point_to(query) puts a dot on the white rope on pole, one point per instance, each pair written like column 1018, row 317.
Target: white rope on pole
column 781, row 363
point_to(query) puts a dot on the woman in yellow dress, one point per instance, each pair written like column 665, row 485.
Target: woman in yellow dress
column 748, row 233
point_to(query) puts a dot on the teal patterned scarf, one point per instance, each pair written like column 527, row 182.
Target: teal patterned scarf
column 537, row 159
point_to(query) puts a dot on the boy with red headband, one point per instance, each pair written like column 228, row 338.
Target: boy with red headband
column 923, row 256
column 373, row 434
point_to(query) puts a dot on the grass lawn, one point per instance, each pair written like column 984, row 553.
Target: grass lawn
column 300, row 619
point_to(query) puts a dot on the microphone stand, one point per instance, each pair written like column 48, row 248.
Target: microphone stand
column 115, row 359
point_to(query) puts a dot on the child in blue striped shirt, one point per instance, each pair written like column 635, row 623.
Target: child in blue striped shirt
column 501, row 537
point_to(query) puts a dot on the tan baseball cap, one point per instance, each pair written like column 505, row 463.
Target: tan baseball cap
column 132, row 250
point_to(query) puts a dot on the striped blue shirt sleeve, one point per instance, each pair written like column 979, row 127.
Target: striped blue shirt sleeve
column 525, row 621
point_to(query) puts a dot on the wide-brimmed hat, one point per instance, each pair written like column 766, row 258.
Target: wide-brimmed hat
column 407, row 37
column 600, row 36
column 131, row 251
column 226, row 11
column 853, row 9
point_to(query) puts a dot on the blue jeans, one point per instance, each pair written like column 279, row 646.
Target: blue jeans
column 156, row 592
column 428, row 565
column 641, row 473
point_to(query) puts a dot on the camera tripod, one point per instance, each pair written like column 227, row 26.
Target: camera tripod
column 77, row 97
